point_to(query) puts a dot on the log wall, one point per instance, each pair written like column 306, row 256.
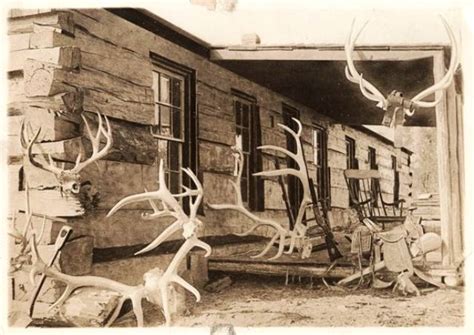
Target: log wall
column 69, row 63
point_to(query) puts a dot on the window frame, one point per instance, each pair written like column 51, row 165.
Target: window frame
column 255, row 187
column 189, row 140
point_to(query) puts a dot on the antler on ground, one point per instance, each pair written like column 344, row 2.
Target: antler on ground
column 188, row 223
column 69, row 179
column 409, row 106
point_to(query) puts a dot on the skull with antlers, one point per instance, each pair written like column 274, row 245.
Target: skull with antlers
column 69, row 180
column 395, row 101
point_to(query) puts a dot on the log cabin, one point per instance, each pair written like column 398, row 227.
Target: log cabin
column 169, row 95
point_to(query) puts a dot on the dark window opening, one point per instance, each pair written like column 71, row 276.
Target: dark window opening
column 351, row 163
column 247, row 125
column 372, row 158
column 396, row 180
column 320, row 160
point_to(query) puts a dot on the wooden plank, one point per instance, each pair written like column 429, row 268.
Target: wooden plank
column 42, row 79
column 215, row 158
column 53, row 20
column 41, row 201
column 216, row 130
column 319, row 54
column 65, row 57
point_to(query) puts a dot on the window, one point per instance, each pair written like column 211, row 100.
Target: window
column 320, row 160
column 247, row 125
column 372, row 158
column 352, row 163
column 169, row 123
column 175, row 126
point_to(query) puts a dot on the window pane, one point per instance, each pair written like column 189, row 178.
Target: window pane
column 245, row 116
column 244, row 190
column 176, row 92
column 245, row 140
column 174, row 155
column 238, row 112
column 165, row 120
column 157, row 114
column 176, row 123
column 174, row 182
column 156, row 78
column 164, row 88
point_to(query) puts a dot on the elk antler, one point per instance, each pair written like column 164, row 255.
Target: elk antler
column 409, row 106
column 69, row 179
column 189, row 224
column 280, row 232
column 134, row 293
column 300, row 172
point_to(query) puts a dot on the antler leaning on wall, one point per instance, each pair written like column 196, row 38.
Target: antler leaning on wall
column 299, row 230
column 280, row 232
column 396, row 98
column 69, row 180
column 190, row 225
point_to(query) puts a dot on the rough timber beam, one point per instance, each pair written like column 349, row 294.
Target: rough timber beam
column 325, row 54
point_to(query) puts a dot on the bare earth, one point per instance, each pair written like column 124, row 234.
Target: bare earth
column 261, row 302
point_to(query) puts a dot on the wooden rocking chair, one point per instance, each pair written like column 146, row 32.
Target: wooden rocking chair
column 366, row 198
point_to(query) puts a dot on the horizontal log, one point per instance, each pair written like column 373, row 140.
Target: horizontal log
column 125, row 228
column 261, row 268
column 52, row 226
column 119, row 63
column 215, row 158
column 41, row 201
column 67, row 104
column 65, row 150
column 68, row 58
column 19, row 12
column 53, row 126
column 19, row 42
column 50, row 39
column 111, row 105
column 216, row 130
column 53, row 20
column 132, row 143
column 116, row 180
column 42, row 79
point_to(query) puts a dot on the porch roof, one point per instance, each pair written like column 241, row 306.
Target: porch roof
column 313, row 75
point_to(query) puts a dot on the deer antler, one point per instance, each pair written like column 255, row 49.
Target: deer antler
column 280, row 232
column 70, row 178
column 409, row 106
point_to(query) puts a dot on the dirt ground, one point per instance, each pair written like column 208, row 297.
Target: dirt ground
column 261, row 301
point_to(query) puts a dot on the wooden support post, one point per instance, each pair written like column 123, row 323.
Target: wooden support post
column 444, row 165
